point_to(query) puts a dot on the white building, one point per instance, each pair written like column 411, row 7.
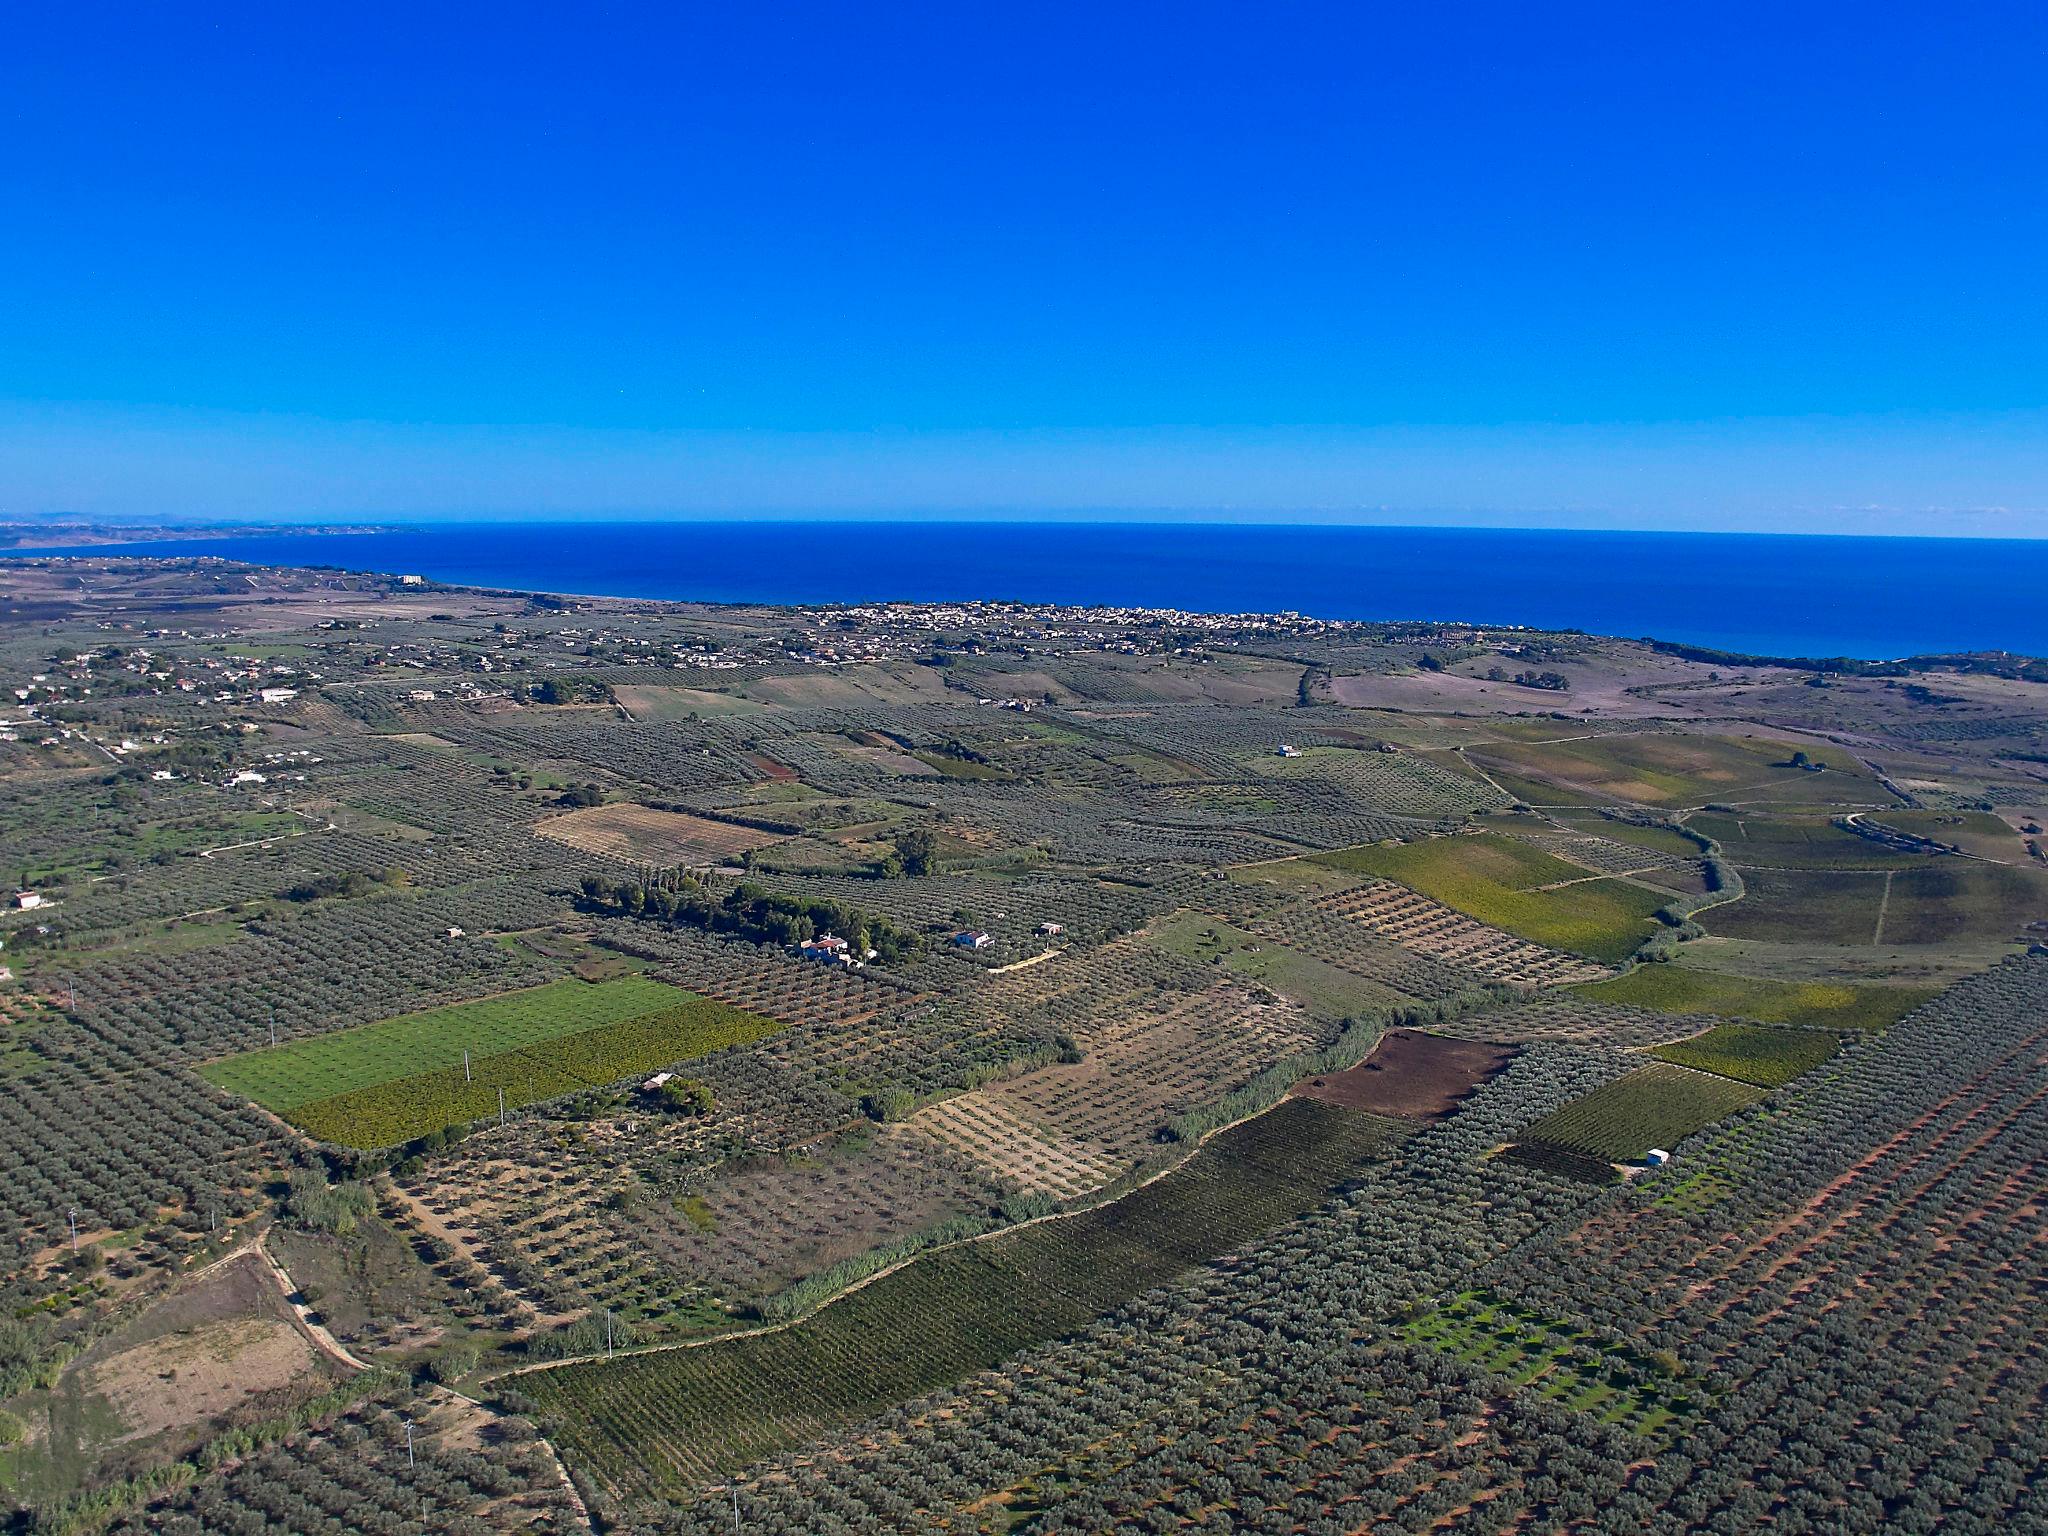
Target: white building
column 277, row 695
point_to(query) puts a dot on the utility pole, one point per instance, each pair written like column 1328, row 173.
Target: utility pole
column 74, row 1229
column 607, row 1333
column 410, row 1459
column 501, row 1106
column 273, row 1029
column 465, row 1066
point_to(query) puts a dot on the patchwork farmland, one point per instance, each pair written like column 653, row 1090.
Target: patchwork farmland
column 1008, row 1069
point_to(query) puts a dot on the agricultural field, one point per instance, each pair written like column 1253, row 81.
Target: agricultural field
column 1815, row 1004
column 1509, row 885
column 1671, row 770
column 1327, row 991
column 1935, row 902
column 1410, row 1075
column 1216, row 1138
column 417, row 1043
column 699, row 1412
column 1752, row 1053
column 1654, row 1106
column 383, row 1084
column 640, row 834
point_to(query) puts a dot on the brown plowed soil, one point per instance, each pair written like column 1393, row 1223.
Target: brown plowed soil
column 1411, row 1074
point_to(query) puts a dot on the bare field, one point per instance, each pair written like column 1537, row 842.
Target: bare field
column 642, row 835
column 1411, row 1075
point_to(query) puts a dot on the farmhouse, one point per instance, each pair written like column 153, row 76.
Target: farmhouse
column 826, row 948
column 653, row 1084
column 973, row 938
column 1656, row 1157
column 1052, row 930
column 28, row 901
column 277, row 695
column 1284, row 750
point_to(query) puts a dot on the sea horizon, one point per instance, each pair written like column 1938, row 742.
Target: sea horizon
column 1873, row 597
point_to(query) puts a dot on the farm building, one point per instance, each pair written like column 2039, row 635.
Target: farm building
column 826, row 948
column 972, row 938
column 653, row 1084
column 277, row 695
column 1052, row 930
column 1656, row 1157
column 28, row 901
column 1284, row 750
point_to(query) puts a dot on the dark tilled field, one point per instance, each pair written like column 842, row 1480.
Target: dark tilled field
column 1412, row 1075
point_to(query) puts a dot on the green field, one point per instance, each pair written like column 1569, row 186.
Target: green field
column 1758, row 1054
column 1492, row 878
column 349, row 1059
column 662, row 1421
column 1327, row 991
column 384, row 1083
column 1572, row 1366
column 1937, row 901
column 404, row 1108
column 1827, row 1004
column 1671, row 770
column 1654, row 1106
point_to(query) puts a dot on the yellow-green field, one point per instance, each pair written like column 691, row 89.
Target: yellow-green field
column 1825, row 1004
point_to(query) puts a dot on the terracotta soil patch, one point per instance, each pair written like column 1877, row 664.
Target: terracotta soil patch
column 1411, row 1075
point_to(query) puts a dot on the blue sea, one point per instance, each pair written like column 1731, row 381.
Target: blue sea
column 1780, row 595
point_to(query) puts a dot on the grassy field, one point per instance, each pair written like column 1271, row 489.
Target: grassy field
column 662, row 1421
column 1327, row 991
column 1798, row 842
column 414, row 1043
column 1661, row 769
column 663, row 703
column 1758, row 1054
column 1938, row 901
column 1494, row 879
column 408, row 1107
column 1830, row 1005
column 1654, row 1106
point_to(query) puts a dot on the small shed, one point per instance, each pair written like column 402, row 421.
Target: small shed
column 1656, row 1157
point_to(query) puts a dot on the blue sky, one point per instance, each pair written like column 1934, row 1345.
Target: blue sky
column 1617, row 265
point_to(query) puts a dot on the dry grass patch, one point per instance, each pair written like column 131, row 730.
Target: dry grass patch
column 639, row 834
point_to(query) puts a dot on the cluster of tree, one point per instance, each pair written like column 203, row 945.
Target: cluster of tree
column 569, row 690
column 749, row 912
column 687, row 1096
column 354, row 883
column 1553, row 682
column 916, row 854
column 311, row 1202
column 577, row 796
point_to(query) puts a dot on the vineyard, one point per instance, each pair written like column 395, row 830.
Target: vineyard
column 1654, row 1106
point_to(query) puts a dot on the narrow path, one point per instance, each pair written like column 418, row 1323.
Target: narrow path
column 323, row 1340
column 867, row 1280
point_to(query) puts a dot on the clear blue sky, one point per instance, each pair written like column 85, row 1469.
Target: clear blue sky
column 1633, row 264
